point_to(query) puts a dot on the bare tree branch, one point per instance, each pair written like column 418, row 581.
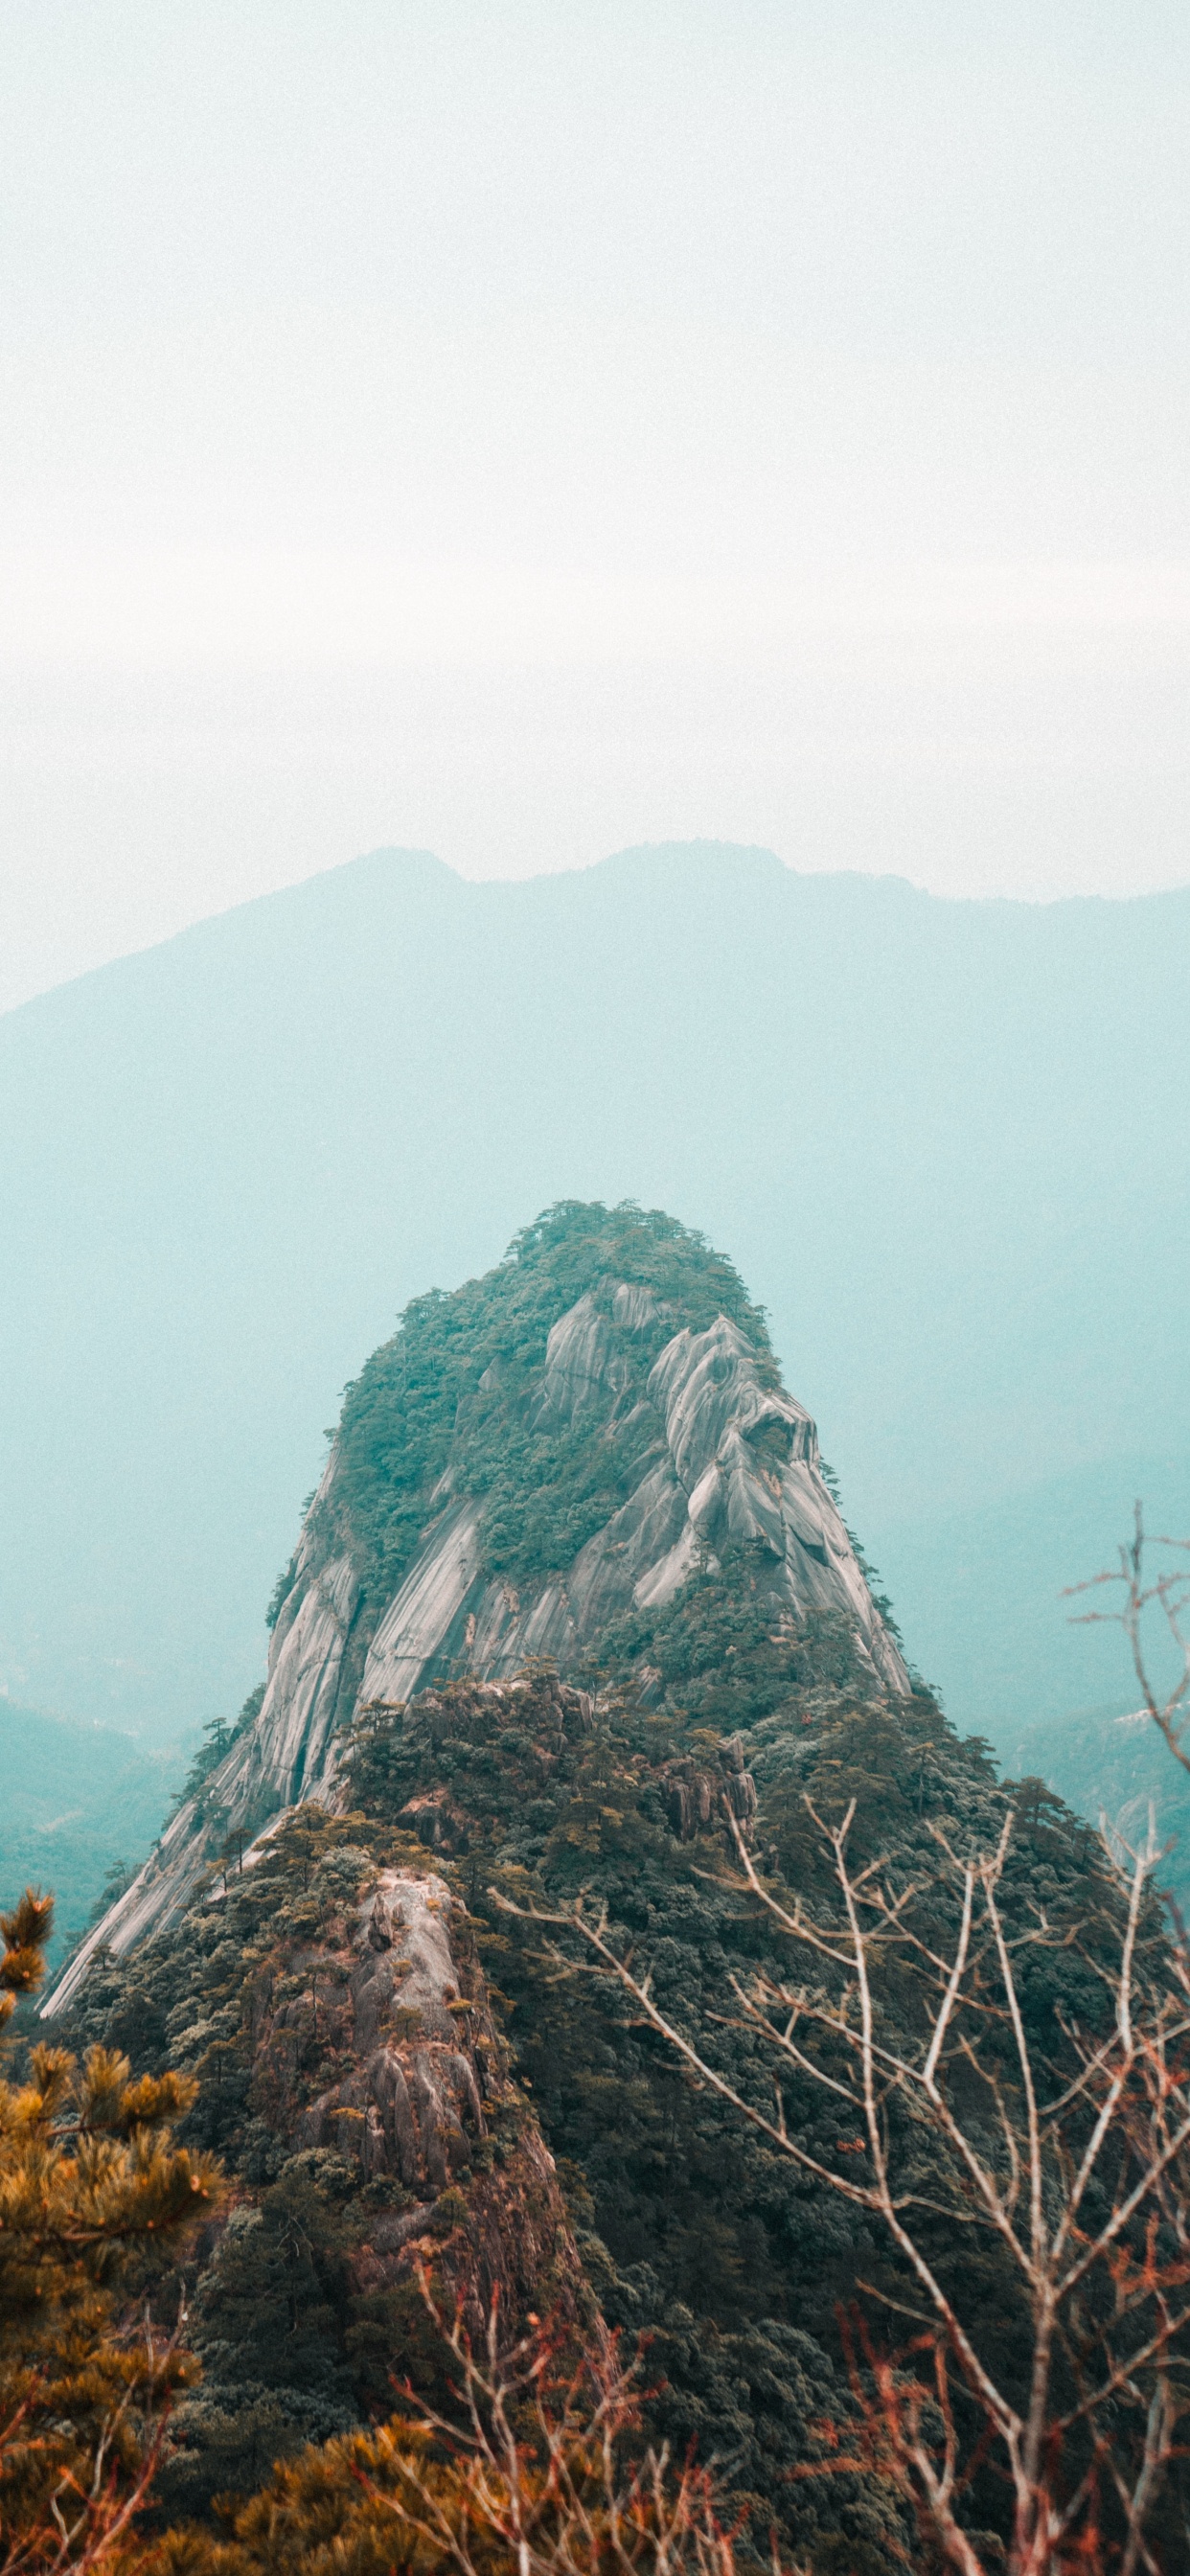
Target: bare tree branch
column 1105, row 2287
column 1167, row 1595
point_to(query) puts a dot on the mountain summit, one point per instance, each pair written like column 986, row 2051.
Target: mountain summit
column 572, row 1627
column 532, row 1468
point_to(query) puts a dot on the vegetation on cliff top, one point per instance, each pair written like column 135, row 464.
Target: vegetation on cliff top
column 735, row 2263
column 450, row 1387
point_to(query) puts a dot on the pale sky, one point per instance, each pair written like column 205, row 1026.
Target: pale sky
column 521, row 431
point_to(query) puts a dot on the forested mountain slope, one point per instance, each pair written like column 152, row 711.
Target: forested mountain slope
column 226, row 1164
column 527, row 1465
column 655, row 1627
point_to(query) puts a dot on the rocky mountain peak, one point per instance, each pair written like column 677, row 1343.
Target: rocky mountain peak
column 529, row 1467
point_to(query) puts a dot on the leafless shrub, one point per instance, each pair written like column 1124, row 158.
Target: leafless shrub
column 1073, row 2163
column 547, row 2466
column 1162, row 1600
column 540, row 2469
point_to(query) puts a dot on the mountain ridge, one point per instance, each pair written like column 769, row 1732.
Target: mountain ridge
column 434, row 870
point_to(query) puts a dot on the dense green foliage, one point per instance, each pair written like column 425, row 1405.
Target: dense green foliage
column 291, row 2350
column 731, row 2262
column 693, row 2233
column 450, row 1387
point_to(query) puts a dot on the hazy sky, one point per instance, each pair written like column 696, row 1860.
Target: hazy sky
column 524, row 430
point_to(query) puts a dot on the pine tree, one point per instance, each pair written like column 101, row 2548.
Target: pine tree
column 91, row 2183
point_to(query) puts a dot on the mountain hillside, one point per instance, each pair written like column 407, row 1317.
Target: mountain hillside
column 528, row 1469
column 573, row 1605
column 227, row 1163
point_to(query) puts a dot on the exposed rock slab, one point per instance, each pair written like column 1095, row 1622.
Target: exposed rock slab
column 722, row 1457
column 733, row 1462
column 284, row 1756
column 404, row 2012
column 412, row 2103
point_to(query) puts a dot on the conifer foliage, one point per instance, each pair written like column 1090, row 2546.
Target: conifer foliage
column 91, row 2183
column 538, row 2470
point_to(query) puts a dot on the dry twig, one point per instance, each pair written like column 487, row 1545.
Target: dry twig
column 540, row 2469
column 1164, row 1597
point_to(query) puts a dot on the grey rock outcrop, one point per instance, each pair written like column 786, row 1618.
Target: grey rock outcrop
column 722, row 1458
column 710, row 1478
column 412, row 2104
column 693, row 1793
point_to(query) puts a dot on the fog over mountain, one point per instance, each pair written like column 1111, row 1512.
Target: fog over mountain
column 82, row 1804
column 944, row 1142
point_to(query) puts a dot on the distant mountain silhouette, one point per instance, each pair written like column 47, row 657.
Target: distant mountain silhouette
column 946, row 1143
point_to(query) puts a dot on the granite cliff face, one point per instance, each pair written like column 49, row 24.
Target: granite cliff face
column 676, row 1418
column 705, row 1481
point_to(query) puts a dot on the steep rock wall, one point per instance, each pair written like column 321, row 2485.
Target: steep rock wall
column 722, row 1457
